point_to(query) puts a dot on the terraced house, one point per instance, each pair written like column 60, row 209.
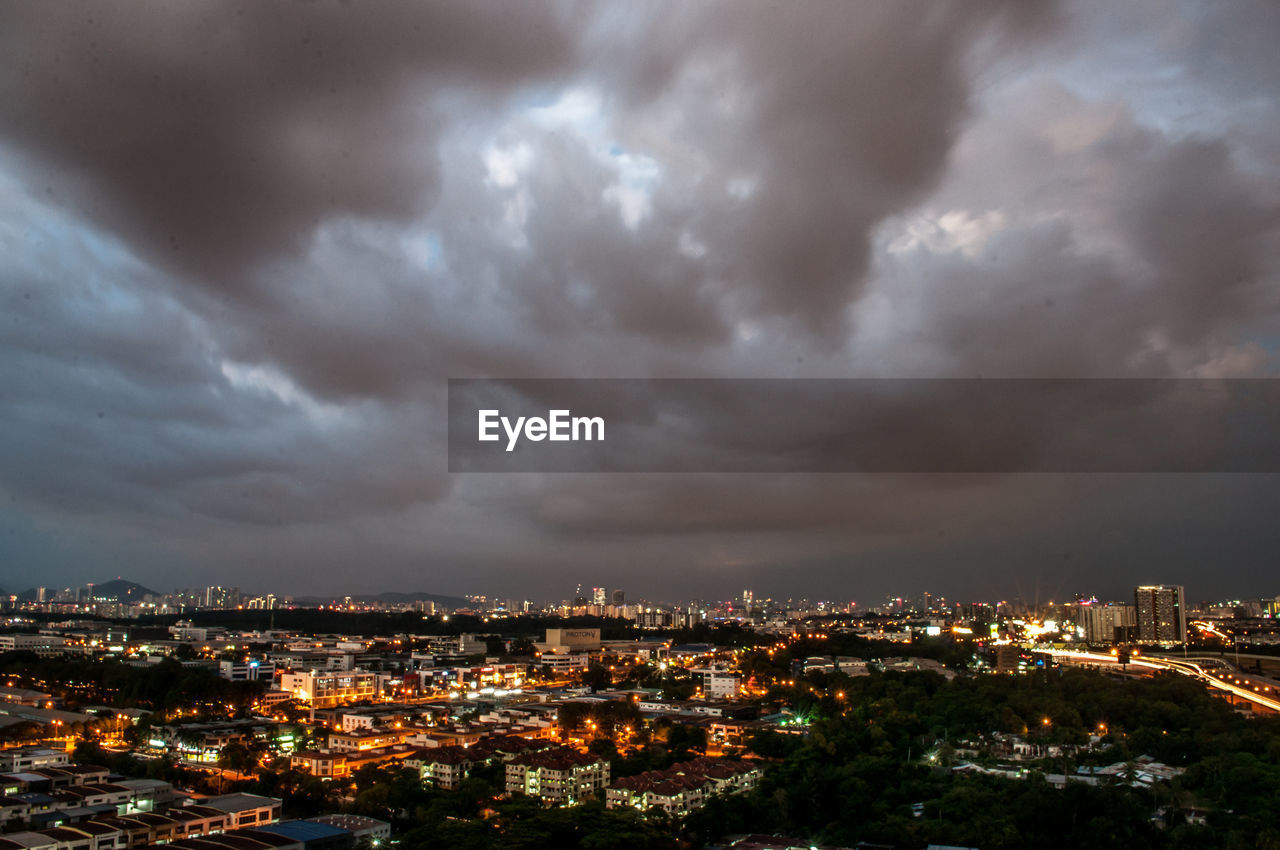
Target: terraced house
column 682, row 787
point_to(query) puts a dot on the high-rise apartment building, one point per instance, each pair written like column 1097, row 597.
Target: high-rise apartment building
column 1109, row 623
column 1162, row 613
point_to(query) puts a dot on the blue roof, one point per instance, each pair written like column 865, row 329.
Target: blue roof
column 303, row 830
column 35, row 798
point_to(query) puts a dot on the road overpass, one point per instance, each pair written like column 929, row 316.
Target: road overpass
column 1210, row 671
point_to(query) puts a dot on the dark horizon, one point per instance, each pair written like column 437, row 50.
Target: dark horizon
column 863, row 603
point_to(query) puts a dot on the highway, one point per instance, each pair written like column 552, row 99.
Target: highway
column 1223, row 678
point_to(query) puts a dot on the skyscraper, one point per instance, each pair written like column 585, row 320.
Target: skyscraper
column 1161, row 613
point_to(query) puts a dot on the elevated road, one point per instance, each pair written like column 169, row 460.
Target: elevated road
column 1211, row 671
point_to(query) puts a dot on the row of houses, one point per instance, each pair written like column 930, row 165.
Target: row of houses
column 59, row 791
column 327, row 832
column 560, row 776
column 52, row 778
column 32, row 758
column 446, row 767
column 682, row 787
column 103, row 831
column 85, row 801
column 359, row 743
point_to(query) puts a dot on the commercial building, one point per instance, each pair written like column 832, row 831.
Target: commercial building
column 31, row 758
column 470, row 678
column 366, row 830
column 247, row 671
column 308, row 835
column 565, row 662
column 563, row 641
column 246, row 809
column 354, row 740
column 27, row 697
column 40, row 644
column 205, row 741
column 325, row 689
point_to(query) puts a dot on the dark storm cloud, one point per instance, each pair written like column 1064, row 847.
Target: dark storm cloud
column 772, row 141
column 217, row 135
column 257, row 238
column 130, row 410
column 1083, row 244
column 797, row 134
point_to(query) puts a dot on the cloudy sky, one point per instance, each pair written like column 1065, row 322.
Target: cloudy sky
column 244, row 245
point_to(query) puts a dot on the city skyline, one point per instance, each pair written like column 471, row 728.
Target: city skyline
column 606, row 602
column 242, row 254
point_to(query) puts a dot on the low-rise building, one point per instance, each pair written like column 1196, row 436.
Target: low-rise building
column 25, row 696
column 245, row 809
column 366, row 739
column 567, row 662
column 321, row 689
column 718, row 682
column 31, row 758
column 334, row 765
column 247, row 671
column 364, row 829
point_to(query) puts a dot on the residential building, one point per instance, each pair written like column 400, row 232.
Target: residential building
column 560, row 777
column 682, row 787
column 718, row 682
column 446, row 767
column 1161, row 613
column 1109, row 623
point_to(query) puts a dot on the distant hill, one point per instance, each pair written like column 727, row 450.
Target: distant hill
column 122, row 591
column 117, row 590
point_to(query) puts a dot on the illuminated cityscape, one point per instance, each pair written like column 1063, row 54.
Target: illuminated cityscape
column 136, row 718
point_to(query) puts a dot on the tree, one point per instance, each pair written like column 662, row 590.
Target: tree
column 597, row 677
